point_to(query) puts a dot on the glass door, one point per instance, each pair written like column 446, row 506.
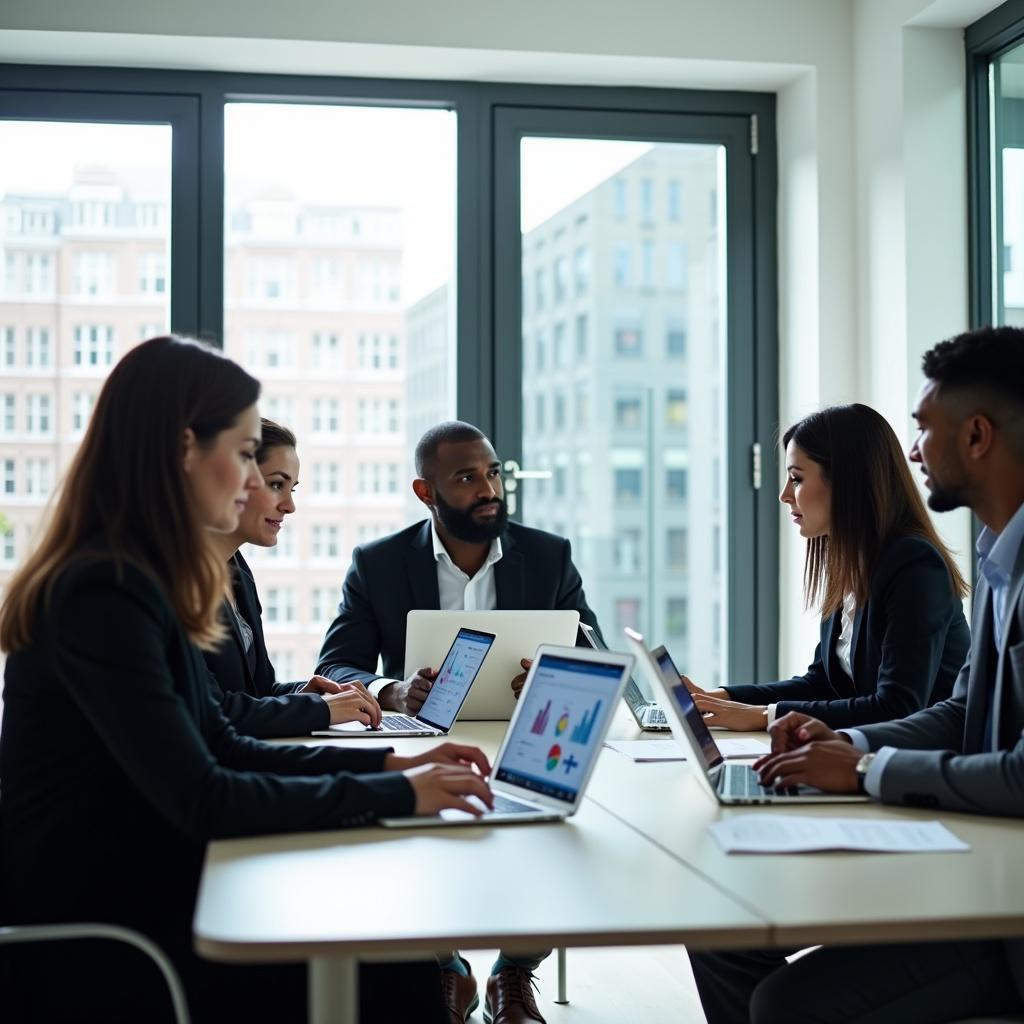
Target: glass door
column 629, row 335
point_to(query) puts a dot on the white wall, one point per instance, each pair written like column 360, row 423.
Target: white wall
column 872, row 195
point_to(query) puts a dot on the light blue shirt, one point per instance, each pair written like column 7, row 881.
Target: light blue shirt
column 997, row 556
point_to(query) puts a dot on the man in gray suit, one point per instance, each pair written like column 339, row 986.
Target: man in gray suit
column 963, row 754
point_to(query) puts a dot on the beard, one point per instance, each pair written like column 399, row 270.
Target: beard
column 945, row 499
column 461, row 524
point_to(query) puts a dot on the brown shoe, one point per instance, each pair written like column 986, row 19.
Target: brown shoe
column 510, row 998
column 460, row 995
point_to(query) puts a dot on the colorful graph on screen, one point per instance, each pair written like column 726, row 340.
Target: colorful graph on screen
column 581, row 734
column 540, row 723
column 554, row 755
column 562, row 724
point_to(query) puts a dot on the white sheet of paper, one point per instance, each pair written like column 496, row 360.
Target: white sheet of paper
column 779, row 833
column 671, row 750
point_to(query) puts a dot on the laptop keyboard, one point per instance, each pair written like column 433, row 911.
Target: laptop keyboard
column 403, row 722
column 740, row 780
column 506, row 805
column 655, row 716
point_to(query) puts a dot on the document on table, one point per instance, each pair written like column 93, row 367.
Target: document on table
column 670, row 750
column 780, row 833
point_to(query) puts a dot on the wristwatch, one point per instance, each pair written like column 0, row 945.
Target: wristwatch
column 862, row 769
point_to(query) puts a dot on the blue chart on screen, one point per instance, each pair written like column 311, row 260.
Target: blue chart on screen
column 455, row 677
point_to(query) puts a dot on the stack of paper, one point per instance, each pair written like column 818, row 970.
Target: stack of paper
column 779, row 833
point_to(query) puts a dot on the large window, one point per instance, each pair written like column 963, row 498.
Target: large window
column 387, row 254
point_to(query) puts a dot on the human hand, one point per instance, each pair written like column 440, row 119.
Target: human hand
column 438, row 787
column 795, row 729
column 830, row 765
column 353, row 704
column 409, row 695
column 459, row 754
column 321, row 684
column 731, row 714
column 695, row 690
column 520, row 680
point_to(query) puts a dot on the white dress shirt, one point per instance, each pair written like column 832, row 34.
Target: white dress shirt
column 848, row 614
column 457, row 591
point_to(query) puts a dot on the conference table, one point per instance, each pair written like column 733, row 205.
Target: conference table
column 635, row 866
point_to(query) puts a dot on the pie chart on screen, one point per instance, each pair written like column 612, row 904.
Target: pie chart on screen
column 554, row 754
column 562, row 724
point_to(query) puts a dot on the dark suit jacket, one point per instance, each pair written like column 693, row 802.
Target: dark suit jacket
column 255, row 702
column 390, row 577
column 117, row 765
column 909, row 642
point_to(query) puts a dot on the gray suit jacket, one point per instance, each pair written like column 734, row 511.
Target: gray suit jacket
column 942, row 760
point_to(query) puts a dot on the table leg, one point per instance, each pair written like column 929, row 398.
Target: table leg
column 333, row 990
column 563, row 988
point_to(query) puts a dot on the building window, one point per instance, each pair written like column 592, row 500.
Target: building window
column 647, row 263
column 93, row 274
column 37, row 418
column 627, row 613
column 539, row 416
column 326, row 478
column 582, row 407
column 629, row 341
column 581, row 336
column 378, row 352
column 8, row 409
column 561, row 278
column 8, row 477
column 37, row 349
column 675, row 484
column 153, row 274
column 559, row 483
column 675, row 542
column 326, row 351
column 322, row 604
column 628, row 486
column 326, row 416
column 560, row 356
column 675, row 265
column 677, row 617
column 621, row 265
column 646, row 199
column 541, row 348
column 675, row 201
column 81, row 410
column 38, row 477
column 378, row 477
column 621, row 200
column 10, row 348
column 279, row 605
column 628, row 413
column 628, row 551
column 284, row 664
column 8, row 549
column 326, row 541
column 538, row 289
column 378, row 416
column 675, row 407
column 94, row 345
column 39, row 278
column 581, row 269
column 271, row 279
column 675, row 342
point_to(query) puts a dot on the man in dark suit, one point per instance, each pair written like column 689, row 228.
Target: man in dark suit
column 963, row 754
column 466, row 556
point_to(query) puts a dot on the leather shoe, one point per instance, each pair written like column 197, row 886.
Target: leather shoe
column 460, row 994
column 510, row 998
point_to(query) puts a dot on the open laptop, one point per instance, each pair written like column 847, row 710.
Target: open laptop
column 460, row 667
column 428, row 632
column 552, row 743
column 729, row 782
column 647, row 713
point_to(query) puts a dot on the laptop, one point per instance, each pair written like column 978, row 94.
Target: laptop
column 460, row 667
column 552, row 743
column 729, row 782
column 648, row 715
column 428, row 632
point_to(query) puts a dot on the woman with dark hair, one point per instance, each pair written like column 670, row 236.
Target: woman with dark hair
column 116, row 762
column 256, row 703
column 893, row 632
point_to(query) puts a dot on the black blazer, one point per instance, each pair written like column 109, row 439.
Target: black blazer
column 909, row 642
column 390, row 577
column 117, row 765
column 256, row 703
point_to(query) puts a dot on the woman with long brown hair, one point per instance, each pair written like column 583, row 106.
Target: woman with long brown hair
column 893, row 632
column 116, row 762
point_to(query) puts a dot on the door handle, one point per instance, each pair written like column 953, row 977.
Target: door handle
column 513, row 474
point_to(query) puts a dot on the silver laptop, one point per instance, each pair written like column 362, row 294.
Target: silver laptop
column 647, row 713
column 428, row 632
column 460, row 667
column 729, row 782
column 552, row 743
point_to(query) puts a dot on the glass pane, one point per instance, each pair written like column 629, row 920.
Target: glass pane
column 1008, row 279
column 623, row 361
column 84, row 243
column 339, row 250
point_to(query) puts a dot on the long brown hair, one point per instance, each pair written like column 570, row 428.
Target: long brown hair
column 874, row 502
column 125, row 491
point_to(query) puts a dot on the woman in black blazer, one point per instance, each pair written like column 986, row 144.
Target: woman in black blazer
column 116, row 762
column 893, row 632
column 252, row 698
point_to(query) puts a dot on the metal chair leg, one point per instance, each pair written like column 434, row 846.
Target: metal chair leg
column 563, row 995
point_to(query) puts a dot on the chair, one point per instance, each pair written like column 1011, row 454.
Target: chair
column 61, row 932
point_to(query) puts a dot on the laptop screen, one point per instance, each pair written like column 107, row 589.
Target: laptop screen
column 559, row 729
column 632, row 694
column 454, row 678
column 686, row 707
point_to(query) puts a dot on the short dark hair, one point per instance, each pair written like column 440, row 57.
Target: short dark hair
column 449, row 432
column 988, row 363
column 273, row 436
